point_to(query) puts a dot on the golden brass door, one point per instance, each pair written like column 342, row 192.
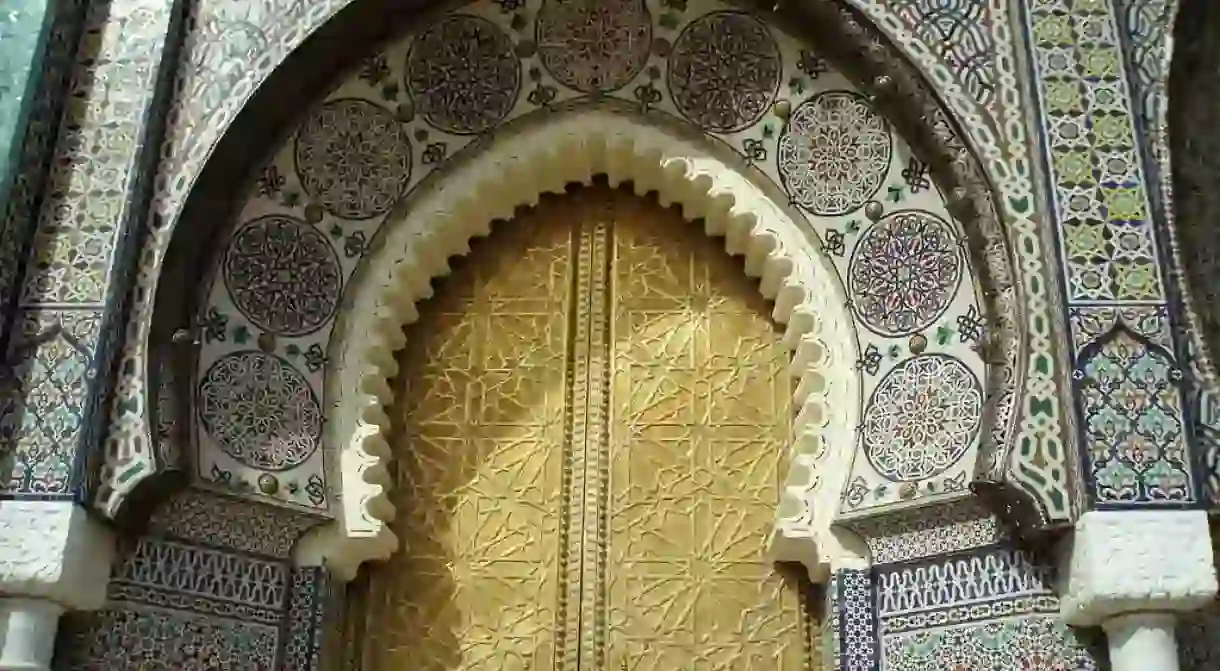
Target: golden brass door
column 592, row 418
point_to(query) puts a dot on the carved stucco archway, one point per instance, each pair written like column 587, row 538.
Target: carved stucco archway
column 514, row 171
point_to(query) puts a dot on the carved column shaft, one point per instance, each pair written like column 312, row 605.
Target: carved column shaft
column 27, row 634
column 1142, row 642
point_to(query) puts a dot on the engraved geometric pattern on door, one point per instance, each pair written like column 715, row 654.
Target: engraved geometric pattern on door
column 592, row 419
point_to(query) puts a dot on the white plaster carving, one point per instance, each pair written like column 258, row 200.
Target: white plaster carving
column 1129, row 561
column 514, row 171
column 27, row 634
column 53, row 550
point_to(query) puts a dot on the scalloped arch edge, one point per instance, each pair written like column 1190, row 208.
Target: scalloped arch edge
column 515, row 171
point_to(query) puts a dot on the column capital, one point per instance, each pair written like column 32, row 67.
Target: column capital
column 1128, row 561
column 53, row 550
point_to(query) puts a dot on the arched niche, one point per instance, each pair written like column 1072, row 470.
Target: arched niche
column 571, row 145
column 514, row 171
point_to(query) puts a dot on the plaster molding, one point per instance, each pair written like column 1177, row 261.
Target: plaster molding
column 1128, row 561
column 53, row 550
column 513, row 172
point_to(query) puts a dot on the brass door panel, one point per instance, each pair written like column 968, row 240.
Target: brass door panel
column 592, row 418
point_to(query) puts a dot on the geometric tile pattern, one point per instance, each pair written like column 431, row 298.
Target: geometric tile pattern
column 989, row 608
column 959, row 48
column 314, row 620
column 1146, row 29
column 1136, row 439
column 959, row 34
column 1036, row 642
column 856, row 621
column 38, row 41
column 177, row 575
column 224, row 521
column 964, row 588
column 33, row 85
column 83, row 230
column 1108, row 247
column 928, row 531
column 188, row 607
column 78, row 234
column 952, row 591
column 42, row 401
column 136, row 637
column 185, row 606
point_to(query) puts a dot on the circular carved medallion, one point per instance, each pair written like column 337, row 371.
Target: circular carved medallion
column 353, row 158
column 904, row 272
column 594, row 45
column 835, row 153
column 922, row 418
column 463, row 74
column 260, row 411
column 724, row 71
column 283, row 275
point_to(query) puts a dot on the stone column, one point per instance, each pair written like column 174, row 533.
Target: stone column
column 53, row 557
column 1142, row 642
column 1130, row 572
column 28, row 630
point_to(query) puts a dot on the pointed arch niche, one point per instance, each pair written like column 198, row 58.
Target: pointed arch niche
column 514, row 171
